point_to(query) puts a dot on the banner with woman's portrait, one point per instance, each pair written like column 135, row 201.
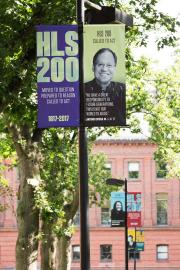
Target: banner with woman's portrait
column 117, row 209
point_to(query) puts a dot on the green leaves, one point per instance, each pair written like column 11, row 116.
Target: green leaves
column 164, row 118
column 148, row 19
column 58, row 189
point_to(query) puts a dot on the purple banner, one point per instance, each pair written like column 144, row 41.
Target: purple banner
column 58, row 76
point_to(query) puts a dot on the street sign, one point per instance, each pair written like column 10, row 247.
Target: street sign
column 134, row 209
column 58, row 75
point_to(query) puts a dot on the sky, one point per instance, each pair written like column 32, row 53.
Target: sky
column 171, row 7
column 164, row 57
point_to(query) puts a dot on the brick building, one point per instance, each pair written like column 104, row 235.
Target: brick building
column 8, row 225
column 132, row 159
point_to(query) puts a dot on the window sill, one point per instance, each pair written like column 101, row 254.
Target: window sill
column 162, row 225
column 106, row 261
column 162, row 260
column 162, row 179
column 76, row 261
column 134, row 180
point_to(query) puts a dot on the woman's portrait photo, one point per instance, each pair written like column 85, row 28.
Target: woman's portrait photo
column 117, row 215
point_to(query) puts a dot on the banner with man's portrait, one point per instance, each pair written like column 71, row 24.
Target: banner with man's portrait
column 104, row 75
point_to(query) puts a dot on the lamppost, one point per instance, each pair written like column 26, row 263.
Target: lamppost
column 94, row 14
column 120, row 182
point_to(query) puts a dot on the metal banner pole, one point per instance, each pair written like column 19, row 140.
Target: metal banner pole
column 83, row 155
column 126, row 229
column 135, row 251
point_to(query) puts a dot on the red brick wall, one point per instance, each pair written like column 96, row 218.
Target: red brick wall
column 119, row 153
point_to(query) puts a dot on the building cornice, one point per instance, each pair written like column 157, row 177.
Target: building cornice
column 123, row 142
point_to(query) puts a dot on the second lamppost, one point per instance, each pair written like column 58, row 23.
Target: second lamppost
column 120, row 182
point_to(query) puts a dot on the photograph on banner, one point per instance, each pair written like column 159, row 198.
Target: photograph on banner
column 134, row 209
column 139, row 239
column 104, row 75
column 131, row 239
column 135, row 239
column 117, row 209
column 57, row 75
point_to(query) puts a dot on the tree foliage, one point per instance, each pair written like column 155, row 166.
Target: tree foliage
column 156, row 94
column 164, row 118
column 48, row 158
column 59, row 188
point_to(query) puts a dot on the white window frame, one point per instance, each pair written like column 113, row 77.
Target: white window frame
column 161, row 197
column 107, row 221
column 73, row 251
column 76, row 219
column 130, row 170
column 161, row 169
column 108, row 166
column 162, row 255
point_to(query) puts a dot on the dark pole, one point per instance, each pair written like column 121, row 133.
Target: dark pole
column 84, row 233
column 83, row 155
column 135, row 252
column 119, row 182
column 126, row 228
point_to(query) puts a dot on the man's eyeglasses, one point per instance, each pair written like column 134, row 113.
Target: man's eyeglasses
column 105, row 65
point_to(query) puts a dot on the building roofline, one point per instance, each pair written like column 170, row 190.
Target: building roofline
column 123, row 141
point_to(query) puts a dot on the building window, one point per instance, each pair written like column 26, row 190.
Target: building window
column 105, row 216
column 17, row 173
column 134, row 255
column 106, row 253
column 108, row 167
column 76, row 253
column 133, row 170
column 76, row 219
column 161, row 170
column 2, row 217
column 162, row 208
column 162, row 252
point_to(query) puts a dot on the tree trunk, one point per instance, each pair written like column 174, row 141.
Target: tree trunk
column 55, row 253
column 27, row 214
column 48, row 247
column 63, row 254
